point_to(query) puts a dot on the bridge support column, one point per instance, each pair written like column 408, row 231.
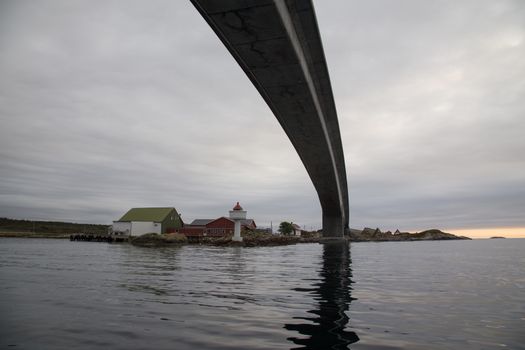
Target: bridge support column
column 333, row 226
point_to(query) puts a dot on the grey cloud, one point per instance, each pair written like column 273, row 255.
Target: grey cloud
column 131, row 104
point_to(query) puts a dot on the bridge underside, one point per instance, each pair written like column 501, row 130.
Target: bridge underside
column 278, row 45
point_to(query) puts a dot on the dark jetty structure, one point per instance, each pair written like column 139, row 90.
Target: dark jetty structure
column 95, row 238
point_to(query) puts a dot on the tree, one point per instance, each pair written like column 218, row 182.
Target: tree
column 285, row 228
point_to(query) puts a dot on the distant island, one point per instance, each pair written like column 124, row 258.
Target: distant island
column 375, row 235
column 497, row 237
column 47, row 229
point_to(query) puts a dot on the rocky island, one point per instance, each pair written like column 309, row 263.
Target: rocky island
column 251, row 238
column 375, row 235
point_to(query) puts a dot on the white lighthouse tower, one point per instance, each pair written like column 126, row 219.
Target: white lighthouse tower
column 237, row 215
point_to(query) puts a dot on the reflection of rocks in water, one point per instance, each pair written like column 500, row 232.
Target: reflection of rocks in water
column 327, row 329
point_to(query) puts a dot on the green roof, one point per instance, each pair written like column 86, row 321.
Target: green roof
column 147, row 214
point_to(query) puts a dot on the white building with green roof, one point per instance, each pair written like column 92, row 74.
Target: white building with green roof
column 139, row 221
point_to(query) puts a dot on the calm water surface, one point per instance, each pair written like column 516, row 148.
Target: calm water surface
column 58, row 294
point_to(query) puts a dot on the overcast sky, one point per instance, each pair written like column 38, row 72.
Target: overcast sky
column 117, row 104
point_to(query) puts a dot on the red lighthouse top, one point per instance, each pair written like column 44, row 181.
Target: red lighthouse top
column 237, row 207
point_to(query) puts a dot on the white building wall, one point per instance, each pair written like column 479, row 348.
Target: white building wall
column 142, row 227
column 121, row 228
column 296, row 231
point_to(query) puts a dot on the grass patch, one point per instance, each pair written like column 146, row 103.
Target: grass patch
column 156, row 240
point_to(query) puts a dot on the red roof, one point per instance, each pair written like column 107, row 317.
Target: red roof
column 237, row 207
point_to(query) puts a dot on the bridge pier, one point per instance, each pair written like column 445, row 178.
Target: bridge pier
column 333, row 226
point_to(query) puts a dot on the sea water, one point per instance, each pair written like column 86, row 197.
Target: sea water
column 56, row 294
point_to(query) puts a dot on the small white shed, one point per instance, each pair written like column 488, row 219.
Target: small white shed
column 296, row 230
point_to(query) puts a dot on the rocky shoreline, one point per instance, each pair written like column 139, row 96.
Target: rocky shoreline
column 263, row 239
column 250, row 239
column 259, row 239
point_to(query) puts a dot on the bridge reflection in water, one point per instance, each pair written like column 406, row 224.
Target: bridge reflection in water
column 326, row 330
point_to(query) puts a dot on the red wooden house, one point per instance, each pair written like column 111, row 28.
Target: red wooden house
column 222, row 226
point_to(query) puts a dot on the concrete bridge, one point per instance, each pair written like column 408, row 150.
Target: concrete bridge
column 277, row 44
